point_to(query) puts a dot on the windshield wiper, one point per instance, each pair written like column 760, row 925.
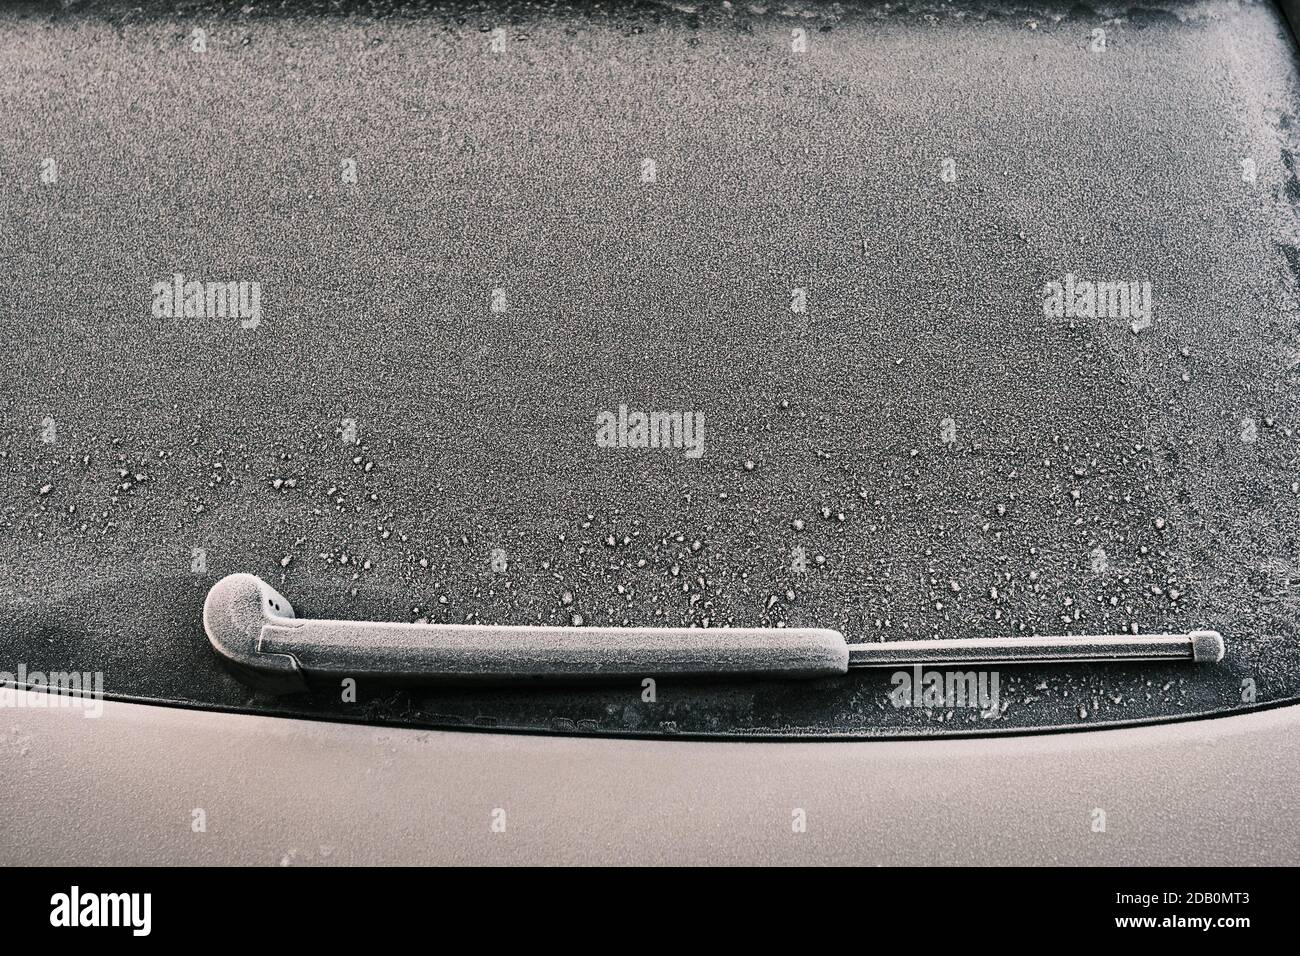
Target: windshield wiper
column 253, row 627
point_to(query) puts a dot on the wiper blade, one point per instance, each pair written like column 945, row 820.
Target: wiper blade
column 1198, row 646
column 254, row 629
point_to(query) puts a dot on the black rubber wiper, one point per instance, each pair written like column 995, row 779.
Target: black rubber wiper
column 253, row 627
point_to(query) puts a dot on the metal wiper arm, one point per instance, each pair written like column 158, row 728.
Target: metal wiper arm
column 253, row 627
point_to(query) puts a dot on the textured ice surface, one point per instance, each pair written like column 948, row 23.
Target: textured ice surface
column 921, row 452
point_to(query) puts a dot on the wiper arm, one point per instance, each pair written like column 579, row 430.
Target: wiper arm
column 253, row 627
